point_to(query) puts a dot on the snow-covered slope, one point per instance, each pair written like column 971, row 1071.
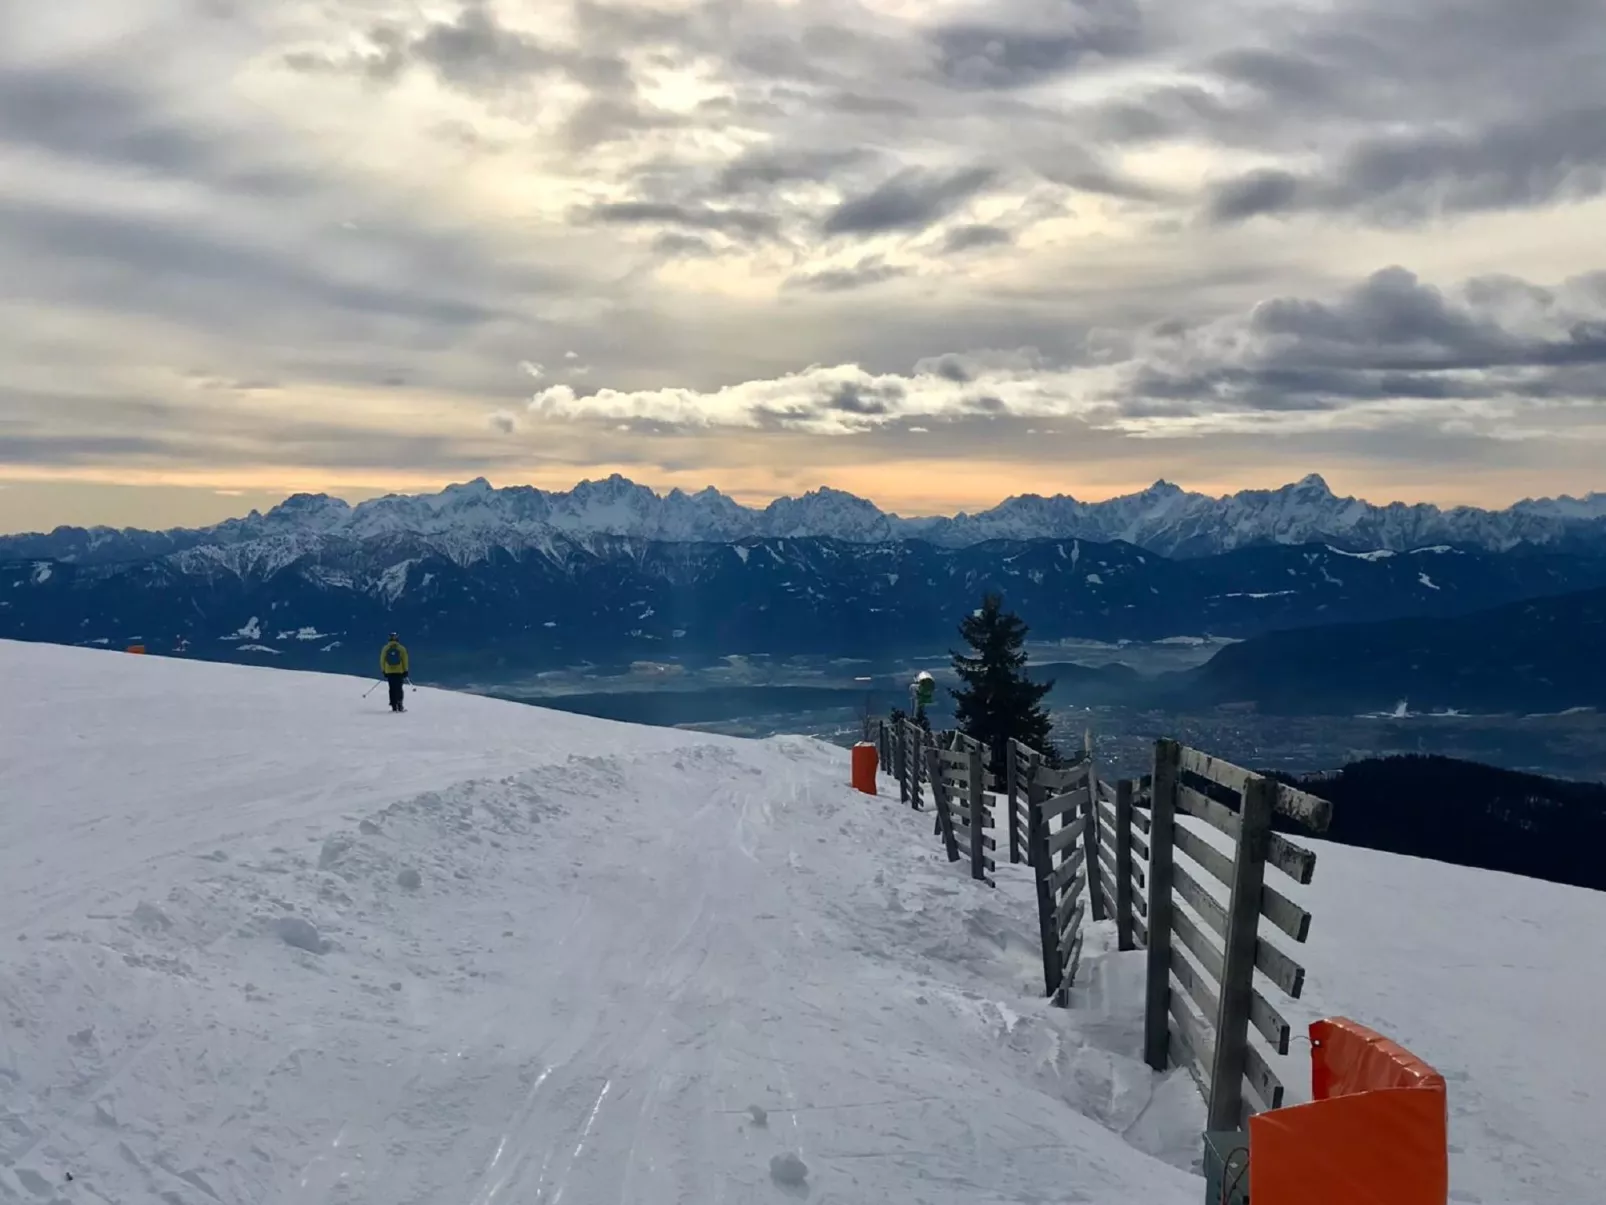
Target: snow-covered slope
column 261, row 941
column 463, row 522
column 264, row 942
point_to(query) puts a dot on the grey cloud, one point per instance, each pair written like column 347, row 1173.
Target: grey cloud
column 984, row 56
column 86, row 112
column 1418, row 176
column 1267, row 190
column 153, row 259
column 869, row 271
column 972, row 237
column 747, row 223
column 1389, row 337
column 473, row 52
column 682, row 246
column 766, row 167
column 910, row 200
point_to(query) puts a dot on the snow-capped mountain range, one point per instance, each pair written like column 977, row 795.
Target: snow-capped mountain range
column 466, row 522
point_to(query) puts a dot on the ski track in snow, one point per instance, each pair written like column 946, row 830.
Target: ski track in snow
column 637, row 965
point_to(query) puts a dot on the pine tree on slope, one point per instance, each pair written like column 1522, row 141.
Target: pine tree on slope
column 998, row 701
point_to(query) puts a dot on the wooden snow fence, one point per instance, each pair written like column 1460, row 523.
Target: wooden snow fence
column 954, row 766
column 1203, row 950
column 959, row 786
column 1050, row 822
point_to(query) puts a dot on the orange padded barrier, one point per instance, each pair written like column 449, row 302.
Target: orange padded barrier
column 1375, row 1134
column 865, row 762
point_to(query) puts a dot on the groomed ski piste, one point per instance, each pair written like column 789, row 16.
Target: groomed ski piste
column 263, row 941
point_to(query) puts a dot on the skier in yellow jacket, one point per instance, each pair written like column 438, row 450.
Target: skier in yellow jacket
column 393, row 667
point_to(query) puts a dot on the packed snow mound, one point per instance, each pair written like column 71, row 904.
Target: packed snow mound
column 266, row 942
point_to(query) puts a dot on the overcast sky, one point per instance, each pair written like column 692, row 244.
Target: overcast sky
column 933, row 253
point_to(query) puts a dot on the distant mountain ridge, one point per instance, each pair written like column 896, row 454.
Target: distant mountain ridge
column 321, row 600
column 466, row 522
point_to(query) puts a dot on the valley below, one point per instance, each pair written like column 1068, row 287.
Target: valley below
column 829, row 698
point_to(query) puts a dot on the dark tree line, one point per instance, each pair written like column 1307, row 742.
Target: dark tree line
column 1468, row 814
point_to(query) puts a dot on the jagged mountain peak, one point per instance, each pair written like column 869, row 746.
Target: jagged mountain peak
column 468, row 520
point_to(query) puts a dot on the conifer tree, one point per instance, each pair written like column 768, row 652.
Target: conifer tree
column 998, row 702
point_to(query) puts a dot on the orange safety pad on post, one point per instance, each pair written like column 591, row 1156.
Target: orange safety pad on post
column 865, row 762
column 1376, row 1135
column 1346, row 1057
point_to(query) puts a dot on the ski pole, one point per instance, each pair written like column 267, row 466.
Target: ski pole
column 371, row 690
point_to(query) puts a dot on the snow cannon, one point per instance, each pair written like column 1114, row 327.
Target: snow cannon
column 1374, row 1130
column 924, row 689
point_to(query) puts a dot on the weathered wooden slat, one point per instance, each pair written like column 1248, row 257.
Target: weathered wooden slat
column 1284, row 913
column 1313, row 812
column 1071, row 931
column 1069, row 903
column 1261, row 1014
column 1206, row 855
column 1059, row 780
column 1199, row 987
column 1167, row 765
column 1269, row 1021
column 945, row 820
column 1067, row 836
column 1140, row 903
column 1109, row 900
column 1106, row 791
column 957, row 759
column 1060, row 877
column 1141, row 820
column 1195, row 1033
column 1197, row 944
column 1205, row 904
column 1295, row 861
column 1279, row 968
column 1041, row 861
column 1073, row 800
column 1140, row 931
column 1123, row 864
column 1180, row 1054
column 1090, row 836
column 1274, row 906
column 1138, row 843
column 1139, row 875
column 1202, row 807
column 1106, row 812
column 1106, row 862
column 1239, row 943
column 1072, row 960
column 1262, row 1079
column 1106, row 835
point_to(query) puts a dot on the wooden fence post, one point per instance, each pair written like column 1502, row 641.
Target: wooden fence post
column 942, row 805
column 1012, row 789
column 1041, row 860
column 978, row 814
column 900, row 758
column 1123, row 864
column 1238, row 959
column 1090, row 836
column 1035, row 766
column 1156, row 1017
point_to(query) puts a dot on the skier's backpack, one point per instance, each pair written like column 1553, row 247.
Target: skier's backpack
column 393, row 654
